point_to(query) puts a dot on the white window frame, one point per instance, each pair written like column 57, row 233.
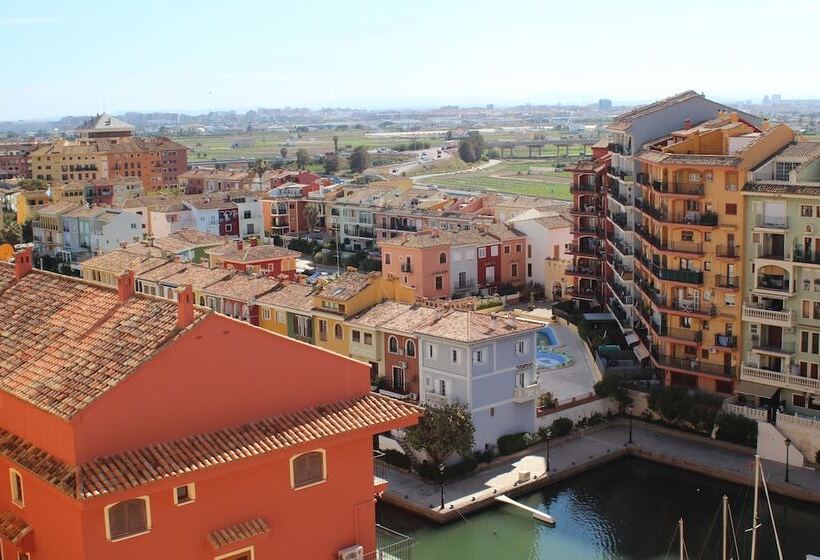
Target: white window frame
column 191, row 494
column 293, row 458
column 480, row 356
column 21, row 501
column 521, row 347
column 281, row 317
column 148, row 524
column 266, row 313
column 482, row 252
column 235, row 553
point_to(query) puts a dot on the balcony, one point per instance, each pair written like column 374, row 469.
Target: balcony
column 621, row 293
column 621, row 246
column 406, row 267
column 587, row 210
column 681, row 188
column 728, row 251
column 778, row 379
column 379, row 472
column 806, row 257
column 582, row 293
column 683, row 335
column 774, row 317
column 391, row 544
column 588, row 250
column 671, row 275
column 643, row 179
column 434, row 399
column 583, row 271
column 779, row 285
column 780, row 348
column 693, row 365
column 620, row 314
column 526, row 393
column 776, row 223
column 690, row 306
column 584, row 189
column 725, row 340
column 621, row 220
column 586, row 230
column 727, row 282
column 621, row 197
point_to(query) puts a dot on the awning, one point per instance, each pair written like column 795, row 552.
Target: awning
column 755, row 389
column 632, row 338
column 640, row 352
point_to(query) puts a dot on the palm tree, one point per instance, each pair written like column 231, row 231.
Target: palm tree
column 259, row 167
column 335, row 143
column 284, row 153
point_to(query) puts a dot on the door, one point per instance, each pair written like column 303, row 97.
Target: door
column 777, row 245
column 730, row 244
column 775, row 337
column 398, row 379
column 490, row 276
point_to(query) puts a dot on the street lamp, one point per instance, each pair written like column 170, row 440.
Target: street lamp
column 629, row 412
column 548, row 434
column 441, row 483
column 788, row 443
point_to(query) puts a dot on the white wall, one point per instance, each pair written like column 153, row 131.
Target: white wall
column 771, row 445
column 576, row 413
column 542, row 240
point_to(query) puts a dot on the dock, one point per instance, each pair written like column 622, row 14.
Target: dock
column 537, row 515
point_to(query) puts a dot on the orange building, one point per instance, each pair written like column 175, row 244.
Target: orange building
column 134, row 427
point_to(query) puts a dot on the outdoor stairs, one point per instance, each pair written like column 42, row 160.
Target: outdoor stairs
column 408, row 451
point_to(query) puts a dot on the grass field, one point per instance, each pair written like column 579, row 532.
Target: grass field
column 514, row 177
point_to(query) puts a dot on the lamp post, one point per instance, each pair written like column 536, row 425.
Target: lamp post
column 549, row 435
column 788, row 443
column 441, row 483
column 629, row 412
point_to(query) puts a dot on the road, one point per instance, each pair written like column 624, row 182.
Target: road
column 481, row 167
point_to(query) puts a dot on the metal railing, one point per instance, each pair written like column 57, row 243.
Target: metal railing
column 694, row 365
column 725, row 340
column 774, row 283
column 391, row 545
column 772, row 222
column 729, row 282
column 728, row 251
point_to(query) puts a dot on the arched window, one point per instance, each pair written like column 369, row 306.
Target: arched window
column 307, row 469
column 337, row 331
column 411, row 348
column 202, row 301
column 128, row 518
column 442, row 258
column 393, row 345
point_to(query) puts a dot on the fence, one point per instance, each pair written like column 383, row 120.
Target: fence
column 391, row 545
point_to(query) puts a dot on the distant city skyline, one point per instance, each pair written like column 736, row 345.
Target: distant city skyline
column 69, row 59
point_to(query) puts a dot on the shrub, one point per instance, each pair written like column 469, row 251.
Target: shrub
column 683, row 407
column 737, row 429
column 561, row 427
column 430, row 471
column 512, row 443
column 483, row 456
column 397, row 459
column 547, row 400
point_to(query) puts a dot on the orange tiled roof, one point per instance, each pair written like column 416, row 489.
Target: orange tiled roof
column 251, row 254
column 239, row 532
column 135, row 468
column 65, row 342
column 470, row 326
column 13, row 528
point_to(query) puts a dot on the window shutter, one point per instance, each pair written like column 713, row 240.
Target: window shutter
column 117, row 520
column 137, row 518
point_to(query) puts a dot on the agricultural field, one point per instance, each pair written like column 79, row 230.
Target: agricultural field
column 534, row 178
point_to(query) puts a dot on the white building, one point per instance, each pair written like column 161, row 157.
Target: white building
column 548, row 234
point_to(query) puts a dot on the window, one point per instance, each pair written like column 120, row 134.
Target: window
column 479, row 356
column 184, row 494
column 322, row 329
column 442, row 258
column 729, row 300
column 387, row 258
column 494, row 251
column 442, row 387
column 454, row 355
column 482, row 252
column 514, row 270
column 127, row 519
column 431, row 351
column 393, row 345
column 356, row 336
column 17, row 496
column 687, row 235
column 338, row 332
column 731, row 209
column 266, row 314
column 520, row 347
column 307, row 469
column 281, row 317
column 806, row 211
column 302, row 326
column 506, row 249
column 439, row 282
column 410, row 348
column 529, row 270
column 518, row 247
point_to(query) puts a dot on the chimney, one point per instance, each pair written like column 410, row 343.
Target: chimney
column 185, row 306
column 239, row 244
column 254, row 241
column 125, row 285
column 22, row 263
column 687, row 124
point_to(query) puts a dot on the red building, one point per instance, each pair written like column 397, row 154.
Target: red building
column 14, row 159
column 588, row 227
column 269, row 259
column 158, row 161
column 488, row 257
column 401, row 348
column 229, row 219
column 136, row 427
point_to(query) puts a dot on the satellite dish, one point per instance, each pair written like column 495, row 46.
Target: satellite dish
column 6, row 252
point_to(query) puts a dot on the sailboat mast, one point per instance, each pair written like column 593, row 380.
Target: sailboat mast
column 680, row 528
column 755, row 514
column 725, row 549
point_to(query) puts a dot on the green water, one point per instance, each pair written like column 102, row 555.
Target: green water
column 627, row 510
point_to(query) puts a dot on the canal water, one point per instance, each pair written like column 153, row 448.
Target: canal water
column 626, row 510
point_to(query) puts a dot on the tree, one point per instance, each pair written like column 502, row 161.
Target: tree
column 259, row 167
column 27, row 231
column 302, row 158
column 442, row 431
column 11, row 232
column 331, row 163
column 335, row 143
column 359, row 160
column 471, row 148
column 284, row 153
column 312, row 215
column 612, row 386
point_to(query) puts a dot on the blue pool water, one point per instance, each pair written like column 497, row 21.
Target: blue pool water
column 547, row 357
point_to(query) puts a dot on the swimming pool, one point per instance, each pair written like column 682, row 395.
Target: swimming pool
column 546, row 355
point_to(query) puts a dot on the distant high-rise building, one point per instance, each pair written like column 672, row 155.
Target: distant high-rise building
column 604, row 104
column 776, row 98
column 766, row 100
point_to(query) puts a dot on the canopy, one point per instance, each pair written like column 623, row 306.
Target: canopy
column 755, row 389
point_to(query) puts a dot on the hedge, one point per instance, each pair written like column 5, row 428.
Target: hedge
column 397, row 459
column 737, row 429
column 512, row 443
column 430, row 472
column 561, row 427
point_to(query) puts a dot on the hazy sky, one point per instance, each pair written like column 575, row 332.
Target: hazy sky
column 74, row 58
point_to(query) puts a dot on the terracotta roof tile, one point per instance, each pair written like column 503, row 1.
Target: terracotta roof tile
column 250, row 254
column 783, row 188
column 345, row 286
column 238, row 532
column 298, row 297
column 12, row 527
column 471, row 326
column 66, row 342
column 197, row 276
column 242, row 287
column 412, row 319
column 187, row 240
column 379, row 314
column 138, row 258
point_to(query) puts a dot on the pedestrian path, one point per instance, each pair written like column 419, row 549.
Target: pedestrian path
column 527, row 471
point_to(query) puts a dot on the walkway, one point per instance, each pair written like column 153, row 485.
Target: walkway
column 575, row 381
column 580, row 452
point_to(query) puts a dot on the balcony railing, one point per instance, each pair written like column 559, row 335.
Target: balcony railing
column 577, row 249
column 774, row 284
column 435, row 399
column 687, row 335
column 775, row 317
column 725, row 340
column 643, row 179
column 671, row 275
column 621, row 293
column 406, row 267
column 582, row 188
column 582, row 271
column 693, row 365
column 587, row 210
column 526, row 393
column 391, row 545
column 772, row 222
column 780, row 347
column 807, row 257
column 728, row 251
column 680, row 187
column 620, row 219
column 778, row 379
column 620, row 314
column 582, row 293
column 728, row 282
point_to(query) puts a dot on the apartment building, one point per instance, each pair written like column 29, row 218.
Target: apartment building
column 548, row 234
column 687, row 264
column 104, row 126
column 108, row 470
column 288, row 310
column 486, row 363
column 587, row 249
column 781, row 295
column 47, row 229
column 29, row 203
column 205, row 180
column 14, row 159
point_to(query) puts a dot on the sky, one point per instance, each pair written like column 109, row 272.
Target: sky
column 83, row 57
